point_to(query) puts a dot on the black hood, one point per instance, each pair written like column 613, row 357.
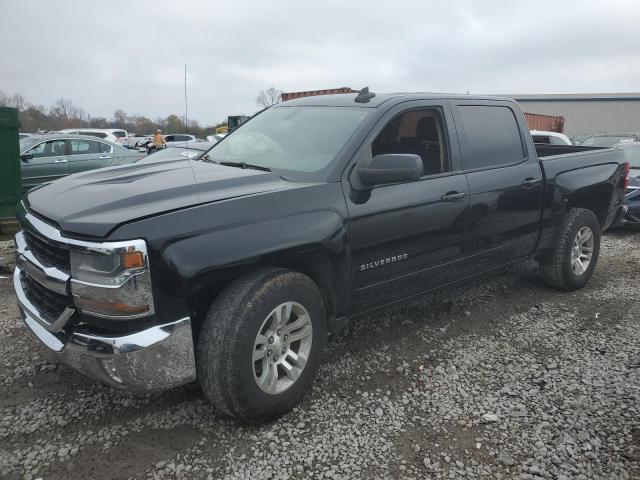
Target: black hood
column 95, row 202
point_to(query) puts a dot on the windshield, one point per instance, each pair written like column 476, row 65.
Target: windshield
column 27, row 142
column 606, row 141
column 632, row 155
column 295, row 139
column 174, row 153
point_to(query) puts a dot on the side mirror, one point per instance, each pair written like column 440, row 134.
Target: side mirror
column 388, row 168
column 26, row 157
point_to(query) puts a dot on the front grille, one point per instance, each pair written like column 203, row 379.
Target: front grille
column 50, row 304
column 50, row 253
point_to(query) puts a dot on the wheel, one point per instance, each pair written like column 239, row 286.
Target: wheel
column 261, row 343
column 571, row 264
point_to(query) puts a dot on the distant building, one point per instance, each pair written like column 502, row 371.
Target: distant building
column 587, row 112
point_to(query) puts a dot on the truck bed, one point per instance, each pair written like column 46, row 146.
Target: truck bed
column 545, row 150
column 559, row 159
column 589, row 173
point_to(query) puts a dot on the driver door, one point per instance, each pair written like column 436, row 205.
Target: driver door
column 44, row 163
column 409, row 238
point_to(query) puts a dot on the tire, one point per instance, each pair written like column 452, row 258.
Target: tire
column 227, row 344
column 557, row 266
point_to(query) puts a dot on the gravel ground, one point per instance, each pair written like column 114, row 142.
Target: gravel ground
column 503, row 378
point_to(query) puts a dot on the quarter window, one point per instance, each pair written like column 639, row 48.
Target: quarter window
column 492, row 136
column 105, row 148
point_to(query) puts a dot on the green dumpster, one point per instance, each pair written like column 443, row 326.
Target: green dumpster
column 10, row 179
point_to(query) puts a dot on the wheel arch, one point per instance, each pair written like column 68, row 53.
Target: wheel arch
column 327, row 269
column 596, row 198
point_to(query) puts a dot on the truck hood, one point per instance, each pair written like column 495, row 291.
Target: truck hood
column 93, row 203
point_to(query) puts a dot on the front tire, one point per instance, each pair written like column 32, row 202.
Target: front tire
column 261, row 343
column 570, row 266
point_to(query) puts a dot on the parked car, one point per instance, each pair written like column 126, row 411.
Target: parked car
column 610, row 139
column 231, row 269
column 44, row 158
column 632, row 196
column 193, row 152
column 550, row 138
column 115, row 135
column 24, row 135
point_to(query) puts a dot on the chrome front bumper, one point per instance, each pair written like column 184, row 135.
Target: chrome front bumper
column 153, row 359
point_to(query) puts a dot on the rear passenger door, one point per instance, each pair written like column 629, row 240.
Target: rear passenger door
column 505, row 182
column 86, row 154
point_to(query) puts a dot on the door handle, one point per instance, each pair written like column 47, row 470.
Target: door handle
column 60, row 160
column 531, row 182
column 102, row 157
column 452, row 197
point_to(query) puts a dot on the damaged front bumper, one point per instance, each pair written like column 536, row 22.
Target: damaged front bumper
column 153, row 359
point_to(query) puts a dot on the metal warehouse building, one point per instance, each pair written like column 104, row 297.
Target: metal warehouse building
column 588, row 112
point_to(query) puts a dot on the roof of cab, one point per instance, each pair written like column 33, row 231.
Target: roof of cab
column 348, row 99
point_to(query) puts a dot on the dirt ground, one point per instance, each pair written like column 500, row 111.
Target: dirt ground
column 503, row 378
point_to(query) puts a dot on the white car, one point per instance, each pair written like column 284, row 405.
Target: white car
column 550, row 138
column 116, row 135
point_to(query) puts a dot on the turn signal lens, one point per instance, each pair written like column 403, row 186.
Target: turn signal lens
column 109, row 308
column 132, row 260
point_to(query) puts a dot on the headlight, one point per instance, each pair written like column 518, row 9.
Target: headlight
column 112, row 280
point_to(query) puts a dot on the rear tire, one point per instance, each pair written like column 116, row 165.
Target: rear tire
column 570, row 266
column 249, row 320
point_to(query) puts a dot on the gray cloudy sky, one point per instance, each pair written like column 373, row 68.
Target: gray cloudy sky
column 131, row 54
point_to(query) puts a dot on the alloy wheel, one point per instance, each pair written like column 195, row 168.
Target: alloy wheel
column 282, row 347
column 582, row 250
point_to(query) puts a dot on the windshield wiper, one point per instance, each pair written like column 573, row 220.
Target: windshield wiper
column 245, row 165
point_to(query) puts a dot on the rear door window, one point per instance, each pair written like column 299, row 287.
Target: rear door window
column 119, row 133
column 83, row 147
column 492, row 136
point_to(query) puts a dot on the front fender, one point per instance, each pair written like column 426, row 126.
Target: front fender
column 202, row 248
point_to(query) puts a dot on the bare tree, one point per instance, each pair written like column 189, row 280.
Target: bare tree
column 64, row 108
column 67, row 114
column 120, row 117
column 18, row 101
column 4, row 99
column 268, row 97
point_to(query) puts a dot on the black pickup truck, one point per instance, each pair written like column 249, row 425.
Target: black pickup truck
column 232, row 269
